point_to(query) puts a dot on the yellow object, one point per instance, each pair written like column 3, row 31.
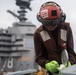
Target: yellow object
column 41, row 72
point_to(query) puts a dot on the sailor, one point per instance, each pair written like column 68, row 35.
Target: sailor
column 52, row 37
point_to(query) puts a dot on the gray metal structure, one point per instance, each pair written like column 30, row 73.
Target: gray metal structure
column 23, row 72
column 69, row 70
column 16, row 42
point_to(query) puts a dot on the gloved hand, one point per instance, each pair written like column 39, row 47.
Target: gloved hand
column 52, row 66
column 69, row 64
column 62, row 66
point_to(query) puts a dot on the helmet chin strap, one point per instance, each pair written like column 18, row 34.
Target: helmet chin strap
column 50, row 28
column 50, row 24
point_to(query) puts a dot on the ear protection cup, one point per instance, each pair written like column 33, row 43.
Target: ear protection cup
column 39, row 18
column 63, row 17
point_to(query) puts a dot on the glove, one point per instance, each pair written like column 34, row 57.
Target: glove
column 69, row 64
column 52, row 66
column 62, row 66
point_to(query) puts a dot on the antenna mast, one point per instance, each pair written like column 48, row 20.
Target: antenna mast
column 23, row 5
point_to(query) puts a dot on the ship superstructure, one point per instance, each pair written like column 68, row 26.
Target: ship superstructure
column 16, row 42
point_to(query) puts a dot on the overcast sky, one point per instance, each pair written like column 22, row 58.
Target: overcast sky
column 6, row 19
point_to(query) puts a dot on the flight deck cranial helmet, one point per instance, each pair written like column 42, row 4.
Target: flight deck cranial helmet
column 51, row 14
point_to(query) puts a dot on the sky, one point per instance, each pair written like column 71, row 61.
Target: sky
column 6, row 19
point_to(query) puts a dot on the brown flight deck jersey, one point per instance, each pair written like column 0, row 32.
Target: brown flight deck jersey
column 48, row 44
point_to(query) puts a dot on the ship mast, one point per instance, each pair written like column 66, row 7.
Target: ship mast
column 23, row 5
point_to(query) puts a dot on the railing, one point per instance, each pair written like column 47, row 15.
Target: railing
column 23, row 72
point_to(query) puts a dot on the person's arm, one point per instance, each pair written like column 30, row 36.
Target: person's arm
column 70, row 46
column 40, row 51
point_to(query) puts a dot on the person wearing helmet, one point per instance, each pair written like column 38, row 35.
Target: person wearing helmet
column 52, row 37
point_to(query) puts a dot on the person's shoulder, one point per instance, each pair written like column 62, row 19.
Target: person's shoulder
column 64, row 25
column 40, row 28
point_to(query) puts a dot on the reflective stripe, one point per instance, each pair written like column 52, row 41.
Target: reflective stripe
column 63, row 34
column 45, row 36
